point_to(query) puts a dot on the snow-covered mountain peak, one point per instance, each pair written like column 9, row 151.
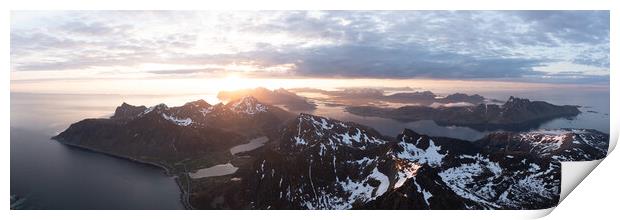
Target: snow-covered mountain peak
column 318, row 122
column 166, row 113
column 309, row 130
column 546, row 141
column 247, row 105
column 157, row 108
column 419, row 149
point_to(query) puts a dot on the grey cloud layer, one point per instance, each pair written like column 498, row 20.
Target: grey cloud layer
column 385, row 44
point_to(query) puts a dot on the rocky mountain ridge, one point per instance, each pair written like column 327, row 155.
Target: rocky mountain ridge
column 314, row 162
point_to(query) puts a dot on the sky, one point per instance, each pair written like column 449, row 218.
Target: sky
column 552, row 47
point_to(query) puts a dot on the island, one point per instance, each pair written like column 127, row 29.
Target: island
column 250, row 155
column 515, row 114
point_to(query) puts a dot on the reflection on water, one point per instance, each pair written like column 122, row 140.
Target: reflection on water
column 52, row 113
column 391, row 127
column 228, row 168
column 595, row 113
column 217, row 170
column 48, row 175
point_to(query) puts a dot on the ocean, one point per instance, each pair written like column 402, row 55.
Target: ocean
column 48, row 175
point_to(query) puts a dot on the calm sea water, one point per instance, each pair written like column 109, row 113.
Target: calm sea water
column 49, row 175
column 595, row 114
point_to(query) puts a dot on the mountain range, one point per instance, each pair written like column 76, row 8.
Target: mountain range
column 279, row 97
column 378, row 97
column 198, row 133
column 314, row 162
column 514, row 114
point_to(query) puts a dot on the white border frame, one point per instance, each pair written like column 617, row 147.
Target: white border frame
column 587, row 208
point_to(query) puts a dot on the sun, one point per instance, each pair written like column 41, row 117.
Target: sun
column 232, row 78
column 234, row 82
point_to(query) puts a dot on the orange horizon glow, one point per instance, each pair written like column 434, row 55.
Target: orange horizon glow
column 168, row 86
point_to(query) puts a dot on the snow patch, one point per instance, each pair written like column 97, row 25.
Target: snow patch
column 430, row 156
column 160, row 106
column 177, row 121
column 248, row 105
column 406, row 170
column 544, row 142
column 450, row 105
column 461, row 180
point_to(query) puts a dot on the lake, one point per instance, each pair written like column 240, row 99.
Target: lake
column 217, row 170
column 253, row 144
column 228, row 168
column 49, row 175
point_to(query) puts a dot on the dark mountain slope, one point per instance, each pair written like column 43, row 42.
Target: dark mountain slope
column 515, row 114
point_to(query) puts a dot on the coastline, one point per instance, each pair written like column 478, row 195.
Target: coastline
column 184, row 195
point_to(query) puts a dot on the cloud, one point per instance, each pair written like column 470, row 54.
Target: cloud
column 95, row 28
column 572, row 26
column 186, row 71
column 409, row 61
column 382, row 44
